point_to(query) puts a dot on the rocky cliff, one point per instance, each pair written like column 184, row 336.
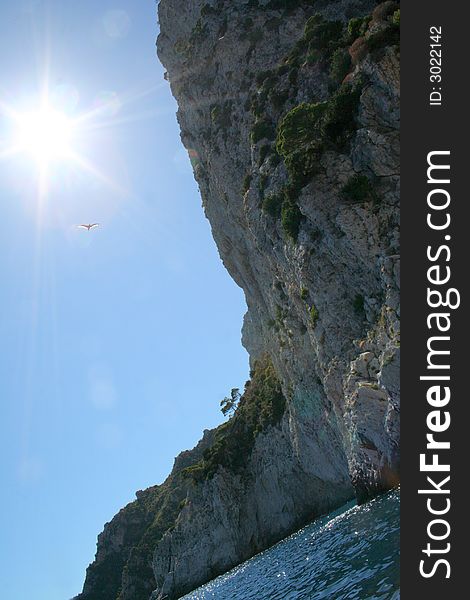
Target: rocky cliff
column 289, row 110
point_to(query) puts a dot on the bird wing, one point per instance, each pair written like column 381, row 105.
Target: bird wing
column 89, row 226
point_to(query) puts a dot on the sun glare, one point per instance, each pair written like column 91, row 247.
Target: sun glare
column 46, row 135
column 49, row 139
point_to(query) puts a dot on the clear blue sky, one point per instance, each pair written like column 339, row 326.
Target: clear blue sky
column 116, row 344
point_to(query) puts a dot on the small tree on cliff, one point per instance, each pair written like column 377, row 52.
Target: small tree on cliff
column 228, row 406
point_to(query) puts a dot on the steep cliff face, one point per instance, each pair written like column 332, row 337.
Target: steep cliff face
column 122, row 566
column 289, row 110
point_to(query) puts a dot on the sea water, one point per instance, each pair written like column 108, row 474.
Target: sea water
column 350, row 554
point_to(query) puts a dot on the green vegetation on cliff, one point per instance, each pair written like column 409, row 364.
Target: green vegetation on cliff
column 309, row 129
column 129, row 540
column 124, row 563
column 359, row 189
column 306, row 130
column 262, row 405
column 314, row 314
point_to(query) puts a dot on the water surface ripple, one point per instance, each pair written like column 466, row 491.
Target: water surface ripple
column 350, row 554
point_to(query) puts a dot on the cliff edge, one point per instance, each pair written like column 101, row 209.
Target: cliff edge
column 289, row 110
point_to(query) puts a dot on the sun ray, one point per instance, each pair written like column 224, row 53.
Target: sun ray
column 124, row 100
column 31, row 349
column 46, row 130
column 8, row 152
column 9, row 111
column 150, row 114
column 47, row 136
column 87, row 166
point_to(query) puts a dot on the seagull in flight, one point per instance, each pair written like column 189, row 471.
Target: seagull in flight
column 88, row 226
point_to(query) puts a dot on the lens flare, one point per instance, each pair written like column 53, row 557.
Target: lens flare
column 116, row 23
column 107, row 104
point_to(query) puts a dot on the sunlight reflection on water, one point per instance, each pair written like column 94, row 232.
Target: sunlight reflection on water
column 351, row 554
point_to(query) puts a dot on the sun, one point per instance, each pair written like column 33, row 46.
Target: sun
column 46, row 135
column 49, row 141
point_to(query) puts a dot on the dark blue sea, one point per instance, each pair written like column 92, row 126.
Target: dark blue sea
column 350, row 554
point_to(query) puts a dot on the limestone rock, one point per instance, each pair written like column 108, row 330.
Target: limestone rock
column 311, row 234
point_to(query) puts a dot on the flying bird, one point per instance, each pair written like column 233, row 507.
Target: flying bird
column 89, row 226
